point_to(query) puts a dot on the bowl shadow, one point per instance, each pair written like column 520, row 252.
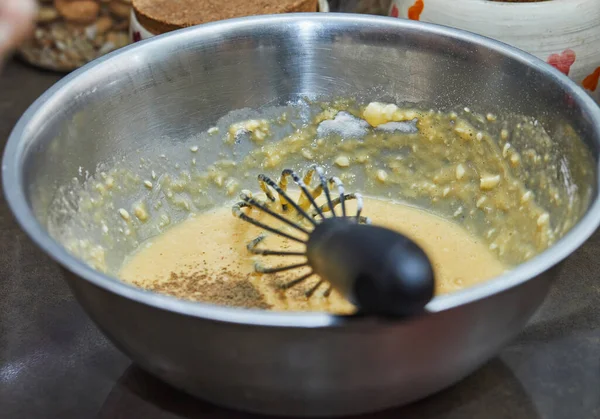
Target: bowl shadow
column 493, row 392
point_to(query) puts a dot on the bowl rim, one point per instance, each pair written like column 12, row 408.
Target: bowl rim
column 14, row 188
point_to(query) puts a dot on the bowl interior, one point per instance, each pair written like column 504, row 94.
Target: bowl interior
column 138, row 112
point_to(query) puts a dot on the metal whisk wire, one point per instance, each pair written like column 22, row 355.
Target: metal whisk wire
column 306, row 200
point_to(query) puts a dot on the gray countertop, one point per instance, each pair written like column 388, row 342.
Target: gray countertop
column 54, row 363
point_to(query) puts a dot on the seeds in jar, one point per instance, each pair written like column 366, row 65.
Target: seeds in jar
column 78, row 11
column 70, row 33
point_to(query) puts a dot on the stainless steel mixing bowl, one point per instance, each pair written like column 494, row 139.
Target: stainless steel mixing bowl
column 284, row 363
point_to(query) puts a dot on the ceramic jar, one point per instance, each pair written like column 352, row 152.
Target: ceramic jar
column 564, row 33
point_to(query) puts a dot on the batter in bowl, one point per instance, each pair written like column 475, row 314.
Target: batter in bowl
column 205, row 259
column 496, row 188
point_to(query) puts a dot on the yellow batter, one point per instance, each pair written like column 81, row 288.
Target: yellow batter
column 205, row 259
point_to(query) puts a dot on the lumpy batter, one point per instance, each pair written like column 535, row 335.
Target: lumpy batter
column 205, row 259
column 503, row 181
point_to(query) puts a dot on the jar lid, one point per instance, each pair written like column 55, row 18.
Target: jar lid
column 161, row 16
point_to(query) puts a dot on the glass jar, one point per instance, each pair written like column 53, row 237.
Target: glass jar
column 70, row 33
column 149, row 18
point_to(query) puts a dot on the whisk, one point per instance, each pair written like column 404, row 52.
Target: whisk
column 380, row 271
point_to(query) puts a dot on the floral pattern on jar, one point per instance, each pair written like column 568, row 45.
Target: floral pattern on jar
column 571, row 46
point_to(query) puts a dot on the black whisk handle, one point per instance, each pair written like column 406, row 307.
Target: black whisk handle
column 379, row 270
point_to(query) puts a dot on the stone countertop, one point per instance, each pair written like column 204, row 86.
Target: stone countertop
column 54, row 363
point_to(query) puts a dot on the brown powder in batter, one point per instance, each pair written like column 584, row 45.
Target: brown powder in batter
column 223, row 288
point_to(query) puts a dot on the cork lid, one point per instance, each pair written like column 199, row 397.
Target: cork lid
column 160, row 16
